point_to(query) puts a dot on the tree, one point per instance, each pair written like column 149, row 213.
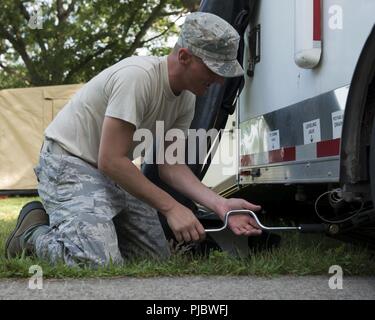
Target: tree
column 76, row 39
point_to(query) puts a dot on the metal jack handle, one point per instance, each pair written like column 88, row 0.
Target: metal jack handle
column 313, row 228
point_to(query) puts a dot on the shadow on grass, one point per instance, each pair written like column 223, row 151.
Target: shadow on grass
column 294, row 257
column 297, row 255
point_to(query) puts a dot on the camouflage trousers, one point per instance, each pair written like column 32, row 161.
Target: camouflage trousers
column 92, row 220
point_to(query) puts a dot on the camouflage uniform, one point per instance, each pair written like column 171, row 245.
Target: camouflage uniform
column 92, row 220
column 215, row 41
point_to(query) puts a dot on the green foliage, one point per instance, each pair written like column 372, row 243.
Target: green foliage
column 16, row 78
column 79, row 38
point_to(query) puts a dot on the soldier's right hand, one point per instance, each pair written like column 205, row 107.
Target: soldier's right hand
column 184, row 224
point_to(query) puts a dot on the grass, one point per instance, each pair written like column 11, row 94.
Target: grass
column 298, row 255
column 10, row 207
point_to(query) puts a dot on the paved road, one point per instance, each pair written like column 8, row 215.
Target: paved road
column 199, row 288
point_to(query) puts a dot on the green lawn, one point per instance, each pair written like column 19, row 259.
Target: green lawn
column 298, row 255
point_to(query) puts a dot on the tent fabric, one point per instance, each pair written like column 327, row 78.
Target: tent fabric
column 24, row 115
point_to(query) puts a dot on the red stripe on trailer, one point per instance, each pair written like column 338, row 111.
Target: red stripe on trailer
column 246, row 160
column 317, row 21
column 282, row 155
column 245, row 173
column 328, row 148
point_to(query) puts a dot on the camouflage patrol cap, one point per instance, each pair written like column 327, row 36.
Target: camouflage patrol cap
column 214, row 40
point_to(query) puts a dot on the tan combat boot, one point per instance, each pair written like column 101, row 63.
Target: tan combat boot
column 32, row 215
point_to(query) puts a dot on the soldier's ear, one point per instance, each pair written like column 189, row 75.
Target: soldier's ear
column 184, row 56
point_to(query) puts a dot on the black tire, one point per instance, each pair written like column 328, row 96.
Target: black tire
column 372, row 162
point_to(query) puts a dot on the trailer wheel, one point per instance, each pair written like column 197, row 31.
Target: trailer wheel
column 372, row 162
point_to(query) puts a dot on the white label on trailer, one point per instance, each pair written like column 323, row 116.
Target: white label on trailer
column 274, row 140
column 337, row 121
column 311, row 131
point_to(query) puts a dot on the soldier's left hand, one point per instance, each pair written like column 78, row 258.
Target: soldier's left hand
column 240, row 224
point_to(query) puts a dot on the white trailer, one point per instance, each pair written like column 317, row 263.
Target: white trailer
column 306, row 114
column 303, row 125
column 296, row 101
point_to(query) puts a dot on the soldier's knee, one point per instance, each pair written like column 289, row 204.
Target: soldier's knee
column 97, row 242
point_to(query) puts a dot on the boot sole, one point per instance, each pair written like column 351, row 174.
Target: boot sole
column 24, row 211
